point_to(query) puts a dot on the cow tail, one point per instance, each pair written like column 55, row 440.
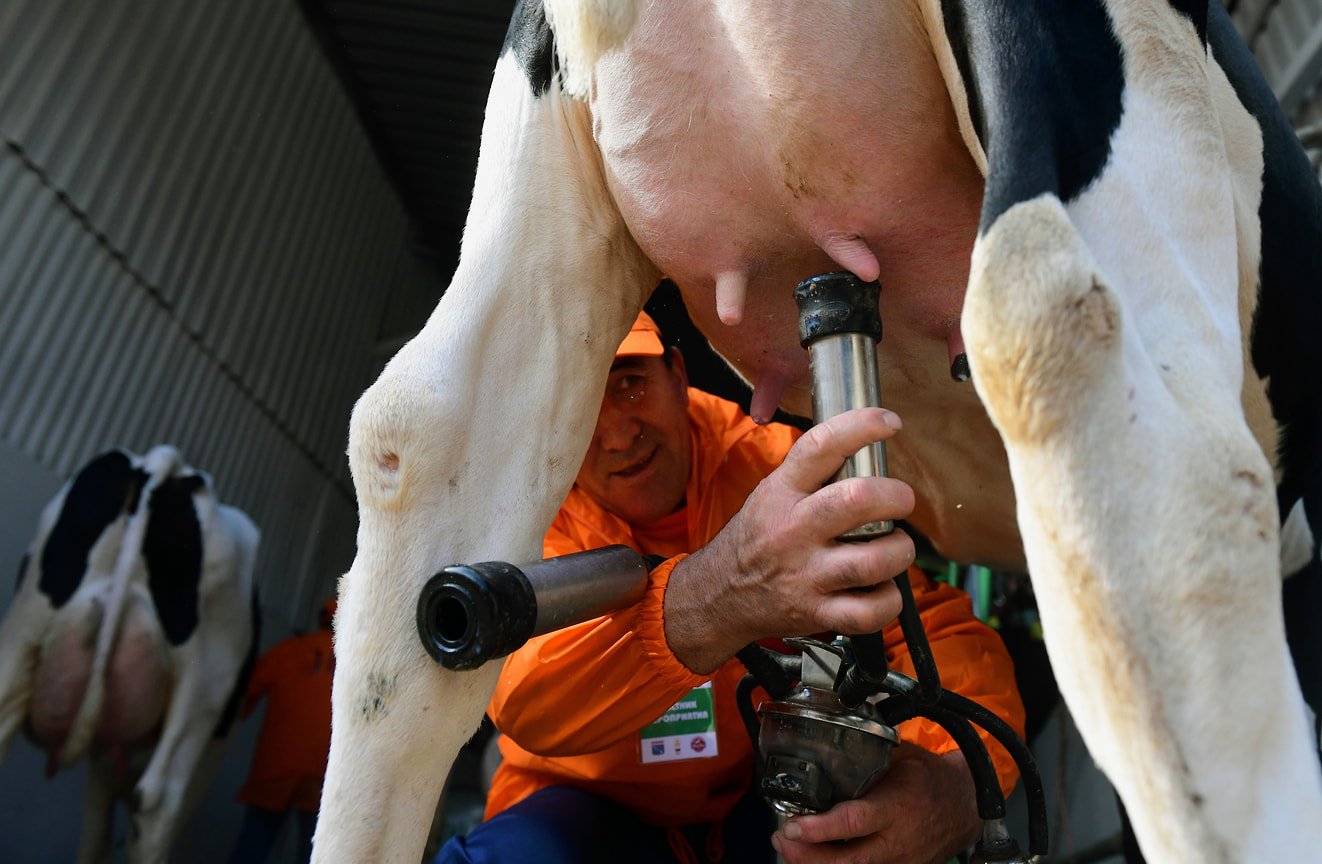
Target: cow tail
column 584, row 30
column 160, row 464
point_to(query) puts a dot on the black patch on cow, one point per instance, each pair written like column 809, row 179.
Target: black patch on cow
column 1301, row 597
column 533, row 44
column 1045, row 81
column 172, row 548
column 22, row 571
column 1284, row 341
column 230, row 713
column 102, row 491
column 1195, row 12
column 952, row 14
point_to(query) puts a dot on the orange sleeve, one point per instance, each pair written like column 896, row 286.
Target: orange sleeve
column 568, row 535
column 583, row 688
column 972, row 661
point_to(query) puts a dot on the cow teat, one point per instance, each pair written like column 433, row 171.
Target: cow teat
column 731, row 291
column 959, row 359
column 767, row 391
column 851, row 252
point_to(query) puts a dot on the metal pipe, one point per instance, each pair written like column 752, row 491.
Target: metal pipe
column 840, row 326
column 469, row 614
column 844, row 375
column 575, row 588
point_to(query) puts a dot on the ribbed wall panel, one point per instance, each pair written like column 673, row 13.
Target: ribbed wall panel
column 1309, row 124
column 197, row 246
column 1289, row 50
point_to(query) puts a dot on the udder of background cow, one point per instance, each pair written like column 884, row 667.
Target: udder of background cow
column 137, row 676
column 752, row 152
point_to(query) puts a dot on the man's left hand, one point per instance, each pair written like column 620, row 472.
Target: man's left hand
column 923, row 811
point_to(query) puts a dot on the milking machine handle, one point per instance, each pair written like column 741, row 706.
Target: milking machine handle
column 469, row 614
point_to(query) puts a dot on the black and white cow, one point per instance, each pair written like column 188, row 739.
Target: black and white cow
column 1098, row 203
column 129, row 641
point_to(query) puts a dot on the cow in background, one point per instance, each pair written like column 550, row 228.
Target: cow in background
column 129, row 642
column 1098, row 203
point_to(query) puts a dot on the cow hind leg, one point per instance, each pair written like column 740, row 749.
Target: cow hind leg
column 162, row 799
column 18, row 660
column 187, row 754
column 185, row 759
column 1039, row 321
column 1149, row 520
column 20, row 651
column 97, row 840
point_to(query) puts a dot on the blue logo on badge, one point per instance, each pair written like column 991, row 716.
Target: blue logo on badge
column 658, row 748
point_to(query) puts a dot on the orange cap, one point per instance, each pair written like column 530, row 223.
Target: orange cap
column 644, row 339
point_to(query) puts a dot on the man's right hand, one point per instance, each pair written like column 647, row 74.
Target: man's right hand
column 777, row 569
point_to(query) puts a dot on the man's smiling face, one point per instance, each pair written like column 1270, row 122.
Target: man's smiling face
column 637, row 466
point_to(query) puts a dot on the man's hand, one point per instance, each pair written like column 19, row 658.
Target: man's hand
column 924, row 811
column 776, row 568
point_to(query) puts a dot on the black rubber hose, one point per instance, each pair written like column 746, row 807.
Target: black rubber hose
column 772, row 670
column 868, row 671
column 905, row 687
column 743, row 697
column 1023, row 758
column 924, row 664
column 991, row 800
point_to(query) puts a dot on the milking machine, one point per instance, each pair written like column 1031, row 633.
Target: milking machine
column 826, row 734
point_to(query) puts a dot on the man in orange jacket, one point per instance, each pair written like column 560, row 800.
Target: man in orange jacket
column 586, row 773
column 289, row 762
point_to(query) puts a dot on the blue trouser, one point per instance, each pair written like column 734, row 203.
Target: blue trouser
column 258, row 833
column 560, row 825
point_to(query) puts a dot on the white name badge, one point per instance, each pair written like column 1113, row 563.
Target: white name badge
column 686, row 731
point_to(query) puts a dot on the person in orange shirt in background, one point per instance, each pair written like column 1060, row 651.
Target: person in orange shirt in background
column 289, row 763
column 583, row 778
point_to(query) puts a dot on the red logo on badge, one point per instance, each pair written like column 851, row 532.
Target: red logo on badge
column 698, row 744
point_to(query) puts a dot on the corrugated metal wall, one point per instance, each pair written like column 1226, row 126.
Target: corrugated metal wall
column 1309, row 126
column 196, row 246
column 1286, row 38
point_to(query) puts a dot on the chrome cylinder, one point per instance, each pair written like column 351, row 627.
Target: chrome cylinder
column 840, row 327
column 470, row 614
column 816, row 753
column 844, row 377
column 574, row 588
